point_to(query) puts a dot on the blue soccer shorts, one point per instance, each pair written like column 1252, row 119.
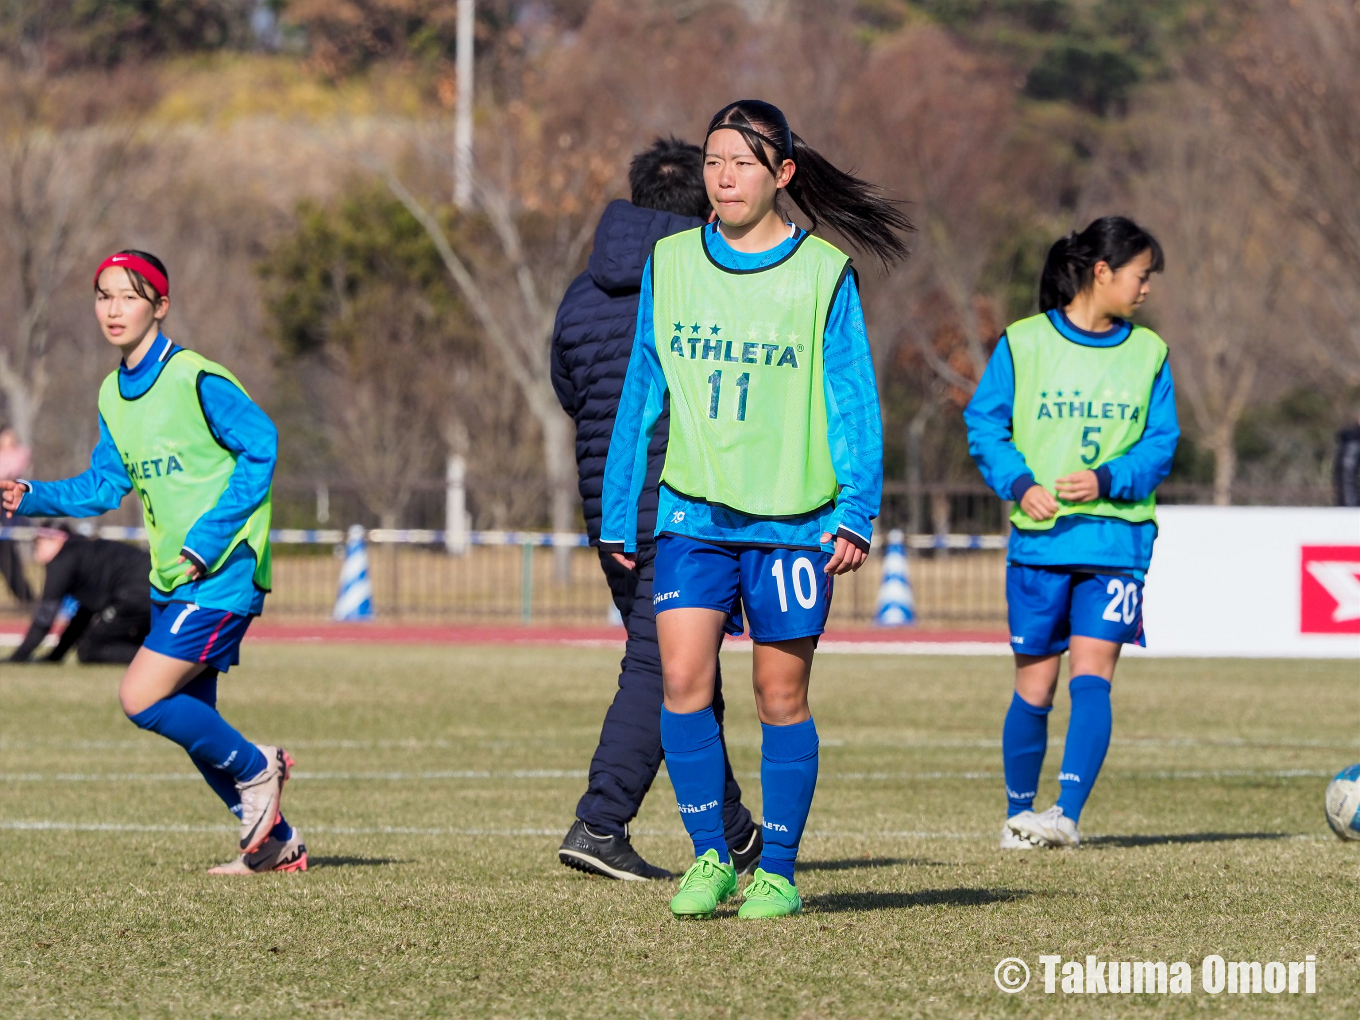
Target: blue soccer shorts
column 1045, row 607
column 785, row 593
column 192, row 633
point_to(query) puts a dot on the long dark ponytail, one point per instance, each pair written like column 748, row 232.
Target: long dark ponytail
column 1071, row 263
column 850, row 206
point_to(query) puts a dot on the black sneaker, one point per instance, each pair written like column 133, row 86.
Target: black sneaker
column 605, row 855
column 746, row 859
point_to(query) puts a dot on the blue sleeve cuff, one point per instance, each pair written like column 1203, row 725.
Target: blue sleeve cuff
column 1021, row 486
column 1104, row 479
column 195, row 559
column 853, row 537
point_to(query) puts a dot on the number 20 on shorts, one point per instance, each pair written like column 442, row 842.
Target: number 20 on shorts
column 1123, row 607
column 802, row 565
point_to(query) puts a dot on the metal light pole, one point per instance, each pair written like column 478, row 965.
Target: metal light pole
column 462, row 125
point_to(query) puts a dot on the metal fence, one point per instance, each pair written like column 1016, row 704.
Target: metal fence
column 445, row 572
column 531, row 577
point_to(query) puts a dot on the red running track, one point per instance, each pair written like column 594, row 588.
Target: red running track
column 397, row 633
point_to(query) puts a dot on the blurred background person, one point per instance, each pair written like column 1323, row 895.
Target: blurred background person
column 591, row 344
column 1346, row 466
column 14, row 460
column 110, row 581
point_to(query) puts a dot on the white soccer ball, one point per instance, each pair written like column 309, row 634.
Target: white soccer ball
column 1343, row 803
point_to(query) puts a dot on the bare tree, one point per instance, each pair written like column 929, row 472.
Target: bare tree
column 1291, row 78
column 57, row 185
column 1217, row 301
column 511, row 284
column 940, row 126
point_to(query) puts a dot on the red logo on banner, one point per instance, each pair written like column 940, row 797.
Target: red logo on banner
column 1330, row 592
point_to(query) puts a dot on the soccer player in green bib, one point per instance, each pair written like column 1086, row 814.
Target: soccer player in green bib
column 773, row 470
column 1075, row 420
column 181, row 432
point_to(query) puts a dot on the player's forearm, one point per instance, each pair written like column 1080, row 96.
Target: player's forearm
column 989, row 416
column 854, row 420
column 94, row 491
column 1145, row 465
column 640, row 405
column 212, row 533
column 247, row 431
column 88, row 494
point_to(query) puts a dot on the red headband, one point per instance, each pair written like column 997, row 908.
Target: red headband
column 153, row 275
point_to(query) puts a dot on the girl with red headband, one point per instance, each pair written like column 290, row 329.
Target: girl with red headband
column 180, row 431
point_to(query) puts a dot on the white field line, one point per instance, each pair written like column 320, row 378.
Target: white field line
column 24, row 825
column 15, row 825
column 576, row 774
column 415, row 744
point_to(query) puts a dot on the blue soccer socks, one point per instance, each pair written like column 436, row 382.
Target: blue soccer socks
column 788, row 777
column 198, row 728
column 1088, row 738
column 696, row 764
column 1024, row 739
column 204, row 688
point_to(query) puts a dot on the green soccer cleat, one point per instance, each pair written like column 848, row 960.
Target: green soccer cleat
column 770, row 896
column 707, row 883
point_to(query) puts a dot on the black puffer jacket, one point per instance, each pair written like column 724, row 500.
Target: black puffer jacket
column 592, row 341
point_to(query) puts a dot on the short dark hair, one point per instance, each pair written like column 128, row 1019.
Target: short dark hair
column 669, row 176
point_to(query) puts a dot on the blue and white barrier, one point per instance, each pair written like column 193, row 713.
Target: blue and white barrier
column 896, row 605
column 355, row 598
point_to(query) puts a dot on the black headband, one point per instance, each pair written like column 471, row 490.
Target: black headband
column 756, row 138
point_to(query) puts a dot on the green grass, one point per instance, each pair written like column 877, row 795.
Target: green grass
column 442, row 896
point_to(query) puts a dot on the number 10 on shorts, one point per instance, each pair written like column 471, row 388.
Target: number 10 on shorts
column 801, row 566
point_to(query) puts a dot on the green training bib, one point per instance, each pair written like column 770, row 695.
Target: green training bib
column 1078, row 407
column 178, row 467
column 742, row 355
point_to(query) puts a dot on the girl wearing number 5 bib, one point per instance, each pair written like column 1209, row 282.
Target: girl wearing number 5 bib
column 180, row 432
column 1075, row 420
column 773, row 473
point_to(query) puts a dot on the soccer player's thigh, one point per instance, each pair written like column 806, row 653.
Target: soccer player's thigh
column 1038, row 609
column 786, row 593
column 1108, row 607
column 692, row 575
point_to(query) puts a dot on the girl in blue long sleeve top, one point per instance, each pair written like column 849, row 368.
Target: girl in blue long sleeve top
column 1075, row 420
column 753, row 330
column 180, row 431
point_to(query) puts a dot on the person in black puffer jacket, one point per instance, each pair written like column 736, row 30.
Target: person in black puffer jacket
column 592, row 341
column 110, row 581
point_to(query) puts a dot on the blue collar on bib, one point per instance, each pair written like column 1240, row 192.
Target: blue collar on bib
column 1112, row 337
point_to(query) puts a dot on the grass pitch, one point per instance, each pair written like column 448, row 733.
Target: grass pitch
column 434, row 784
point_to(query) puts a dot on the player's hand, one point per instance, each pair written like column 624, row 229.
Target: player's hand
column 847, row 556
column 1039, row 503
column 622, row 558
column 11, row 494
column 1079, row 487
column 193, row 573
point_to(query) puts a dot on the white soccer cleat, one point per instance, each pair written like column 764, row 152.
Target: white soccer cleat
column 1049, row 828
column 273, row 855
column 1012, row 840
column 260, row 798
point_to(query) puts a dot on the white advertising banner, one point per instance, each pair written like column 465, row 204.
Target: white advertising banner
column 1254, row 581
